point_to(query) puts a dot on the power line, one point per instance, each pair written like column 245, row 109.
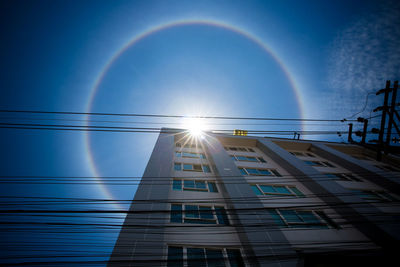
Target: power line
column 209, row 175
column 65, row 227
column 364, row 107
column 164, row 116
column 171, row 123
column 101, row 128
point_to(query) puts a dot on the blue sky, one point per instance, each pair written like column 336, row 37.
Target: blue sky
column 53, row 52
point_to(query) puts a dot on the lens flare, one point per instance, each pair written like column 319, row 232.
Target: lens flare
column 195, row 126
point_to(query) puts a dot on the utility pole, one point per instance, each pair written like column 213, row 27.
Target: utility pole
column 382, row 144
column 349, row 138
column 392, row 112
column 383, row 119
column 362, row 134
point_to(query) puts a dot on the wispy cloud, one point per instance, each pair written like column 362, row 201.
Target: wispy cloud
column 363, row 56
column 367, row 53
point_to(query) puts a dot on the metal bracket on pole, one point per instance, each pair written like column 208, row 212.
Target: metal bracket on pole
column 383, row 120
column 349, row 138
column 391, row 113
column 364, row 134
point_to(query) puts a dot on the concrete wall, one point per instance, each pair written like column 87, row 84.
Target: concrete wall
column 147, row 231
column 138, row 245
column 254, row 224
column 351, row 208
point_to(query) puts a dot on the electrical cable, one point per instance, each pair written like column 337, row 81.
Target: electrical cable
column 54, row 216
column 144, row 129
column 169, row 123
column 364, row 107
column 162, row 115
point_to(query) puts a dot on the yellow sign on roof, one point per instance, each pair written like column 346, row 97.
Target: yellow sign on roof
column 240, row 132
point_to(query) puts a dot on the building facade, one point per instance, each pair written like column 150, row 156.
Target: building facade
column 223, row 200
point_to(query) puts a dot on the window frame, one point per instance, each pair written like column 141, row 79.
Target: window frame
column 218, row 212
column 273, row 172
column 239, row 149
column 229, row 255
column 376, row 195
column 347, row 177
column 322, row 224
column 319, row 163
column 277, row 194
column 303, row 154
column 205, row 168
column 387, row 168
column 186, row 145
column 361, row 157
column 180, row 154
column 256, row 158
column 183, row 188
column 193, row 167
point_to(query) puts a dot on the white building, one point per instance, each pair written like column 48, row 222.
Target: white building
column 226, row 200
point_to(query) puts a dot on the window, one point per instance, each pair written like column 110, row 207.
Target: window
column 313, row 163
column 176, row 213
column 246, row 158
column 206, row 168
column 210, row 257
column 177, row 167
column 260, row 159
column 194, row 185
column 175, row 256
column 244, row 149
column 192, row 167
column 276, row 190
column 190, row 146
column 177, row 185
column 302, row 154
column 327, row 164
column 212, row 187
column 191, row 213
column 361, row 157
column 301, row 219
column 261, row 172
column 387, row 168
column 189, row 155
column 373, row 196
column 186, row 145
column 222, row 217
column 343, row 177
column 318, row 163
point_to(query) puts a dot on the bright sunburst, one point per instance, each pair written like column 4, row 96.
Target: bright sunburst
column 195, row 126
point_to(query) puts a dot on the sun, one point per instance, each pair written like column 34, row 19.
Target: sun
column 195, row 126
